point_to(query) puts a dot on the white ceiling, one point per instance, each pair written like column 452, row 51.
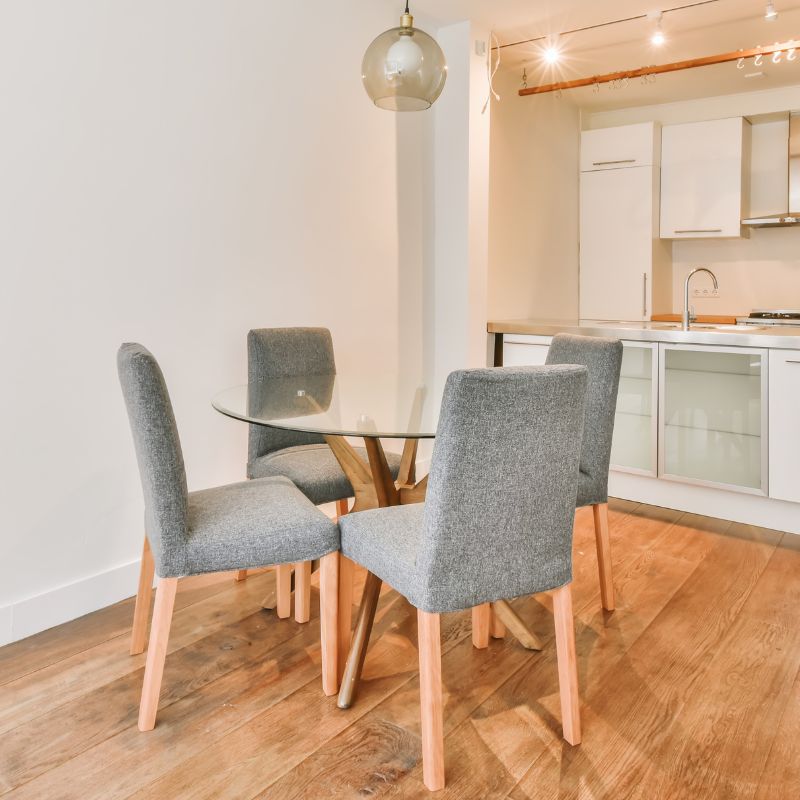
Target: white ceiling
column 716, row 27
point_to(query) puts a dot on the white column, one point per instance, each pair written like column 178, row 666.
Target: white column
column 456, row 279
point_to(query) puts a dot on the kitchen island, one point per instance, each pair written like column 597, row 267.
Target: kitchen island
column 707, row 419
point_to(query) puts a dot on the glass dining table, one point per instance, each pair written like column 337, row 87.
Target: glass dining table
column 369, row 406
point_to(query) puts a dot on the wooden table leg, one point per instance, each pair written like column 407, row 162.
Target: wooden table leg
column 386, row 494
column 516, row 627
column 359, row 641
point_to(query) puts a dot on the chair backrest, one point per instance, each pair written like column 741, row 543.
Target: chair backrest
column 502, row 486
column 603, row 359
column 282, row 353
column 158, row 451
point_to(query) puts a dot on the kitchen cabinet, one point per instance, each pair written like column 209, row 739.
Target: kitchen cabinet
column 713, row 416
column 525, row 351
column 634, row 447
column 700, row 414
column 625, row 270
column 784, row 424
column 705, row 168
column 706, row 422
column 619, row 147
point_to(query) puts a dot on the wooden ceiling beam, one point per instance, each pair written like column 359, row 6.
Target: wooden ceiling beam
column 660, row 69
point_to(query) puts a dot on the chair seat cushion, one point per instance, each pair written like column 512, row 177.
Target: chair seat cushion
column 313, row 468
column 386, row 541
column 254, row 524
column 591, row 491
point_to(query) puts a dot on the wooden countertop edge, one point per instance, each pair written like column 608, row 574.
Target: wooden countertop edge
column 707, row 319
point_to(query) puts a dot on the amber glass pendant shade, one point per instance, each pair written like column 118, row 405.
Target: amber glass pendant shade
column 404, row 68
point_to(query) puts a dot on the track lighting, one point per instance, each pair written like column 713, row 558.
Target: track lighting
column 552, row 52
column 770, row 14
column 657, row 38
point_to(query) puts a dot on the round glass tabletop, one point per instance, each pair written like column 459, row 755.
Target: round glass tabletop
column 372, row 405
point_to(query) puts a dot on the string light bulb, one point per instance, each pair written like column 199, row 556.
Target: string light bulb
column 770, row 14
column 657, row 38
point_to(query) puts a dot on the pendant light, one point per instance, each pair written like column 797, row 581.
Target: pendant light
column 404, row 69
column 770, row 14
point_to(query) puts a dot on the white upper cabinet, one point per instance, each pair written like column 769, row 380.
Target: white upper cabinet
column 705, row 169
column 615, row 148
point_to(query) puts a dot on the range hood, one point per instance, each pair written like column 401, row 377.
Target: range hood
column 791, row 216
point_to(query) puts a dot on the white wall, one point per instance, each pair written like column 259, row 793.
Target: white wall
column 533, row 216
column 175, row 173
column 760, row 272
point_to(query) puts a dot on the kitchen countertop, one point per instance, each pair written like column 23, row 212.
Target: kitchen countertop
column 784, row 337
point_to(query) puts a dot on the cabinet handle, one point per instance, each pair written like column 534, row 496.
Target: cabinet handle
column 791, row 361
column 619, row 161
column 700, row 230
column 644, row 295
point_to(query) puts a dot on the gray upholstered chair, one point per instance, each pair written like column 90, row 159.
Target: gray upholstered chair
column 497, row 521
column 304, row 458
column 250, row 524
column 603, row 360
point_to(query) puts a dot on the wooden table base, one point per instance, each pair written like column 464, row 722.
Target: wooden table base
column 360, row 641
column 374, row 487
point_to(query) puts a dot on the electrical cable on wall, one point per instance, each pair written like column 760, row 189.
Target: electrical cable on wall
column 491, row 71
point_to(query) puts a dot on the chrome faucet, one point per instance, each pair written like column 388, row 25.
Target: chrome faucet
column 687, row 316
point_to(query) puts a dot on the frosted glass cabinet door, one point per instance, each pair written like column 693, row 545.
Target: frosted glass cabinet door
column 713, row 416
column 633, row 448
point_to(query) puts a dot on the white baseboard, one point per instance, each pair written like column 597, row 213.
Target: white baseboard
column 5, row 625
column 750, row 509
column 42, row 611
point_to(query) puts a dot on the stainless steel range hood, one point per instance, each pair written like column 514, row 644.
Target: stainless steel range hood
column 791, row 216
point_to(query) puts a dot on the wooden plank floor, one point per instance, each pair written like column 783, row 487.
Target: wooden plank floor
column 691, row 689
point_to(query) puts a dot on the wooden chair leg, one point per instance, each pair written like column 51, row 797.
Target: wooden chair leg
column 329, row 628
column 600, row 513
column 481, row 622
column 241, row 575
column 341, row 507
column 157, row 652
column 345, row 621
column 496, row 628
column 283, row 579
column 302, row 591
column 144, row 593
column 430, row 696
column 567, row 664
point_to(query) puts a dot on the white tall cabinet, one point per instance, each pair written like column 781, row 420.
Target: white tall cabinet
column 624, row 267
